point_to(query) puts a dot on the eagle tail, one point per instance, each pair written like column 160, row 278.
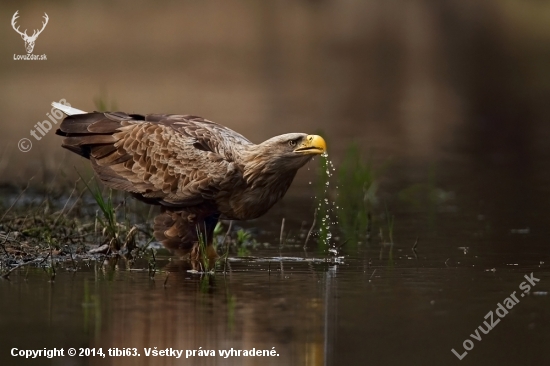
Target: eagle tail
column 89, row 134
column 95, row 136
column 66, row 109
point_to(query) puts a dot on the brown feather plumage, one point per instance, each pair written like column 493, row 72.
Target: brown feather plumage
column 195, row 169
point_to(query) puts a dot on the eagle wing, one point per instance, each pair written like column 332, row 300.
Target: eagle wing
column 173, row 160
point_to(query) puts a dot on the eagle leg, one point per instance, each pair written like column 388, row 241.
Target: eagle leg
column 178, row 232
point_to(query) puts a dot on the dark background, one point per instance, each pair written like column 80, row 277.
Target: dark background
column 410, row 78
column 452, row 96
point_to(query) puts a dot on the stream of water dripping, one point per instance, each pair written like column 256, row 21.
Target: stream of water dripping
column 327, row 208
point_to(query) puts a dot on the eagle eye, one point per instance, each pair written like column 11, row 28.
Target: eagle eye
column 292, row 143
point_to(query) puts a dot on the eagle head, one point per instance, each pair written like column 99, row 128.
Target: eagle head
column 283, row 155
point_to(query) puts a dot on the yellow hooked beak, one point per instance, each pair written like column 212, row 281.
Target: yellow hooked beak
column 312, row 144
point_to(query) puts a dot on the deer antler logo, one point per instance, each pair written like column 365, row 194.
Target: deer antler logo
column 29, row 41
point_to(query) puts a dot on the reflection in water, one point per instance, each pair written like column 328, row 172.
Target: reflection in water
column 411, row 310
column 330, row 318
column 458, row 88
column 241, row 310
column 313, row 313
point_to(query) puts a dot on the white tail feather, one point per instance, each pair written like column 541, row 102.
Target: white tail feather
column 68, row 110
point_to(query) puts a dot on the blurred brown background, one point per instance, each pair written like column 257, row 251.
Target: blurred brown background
column 460, row 87
column 417, row 79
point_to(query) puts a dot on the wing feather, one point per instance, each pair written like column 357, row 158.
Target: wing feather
column 174, row 160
